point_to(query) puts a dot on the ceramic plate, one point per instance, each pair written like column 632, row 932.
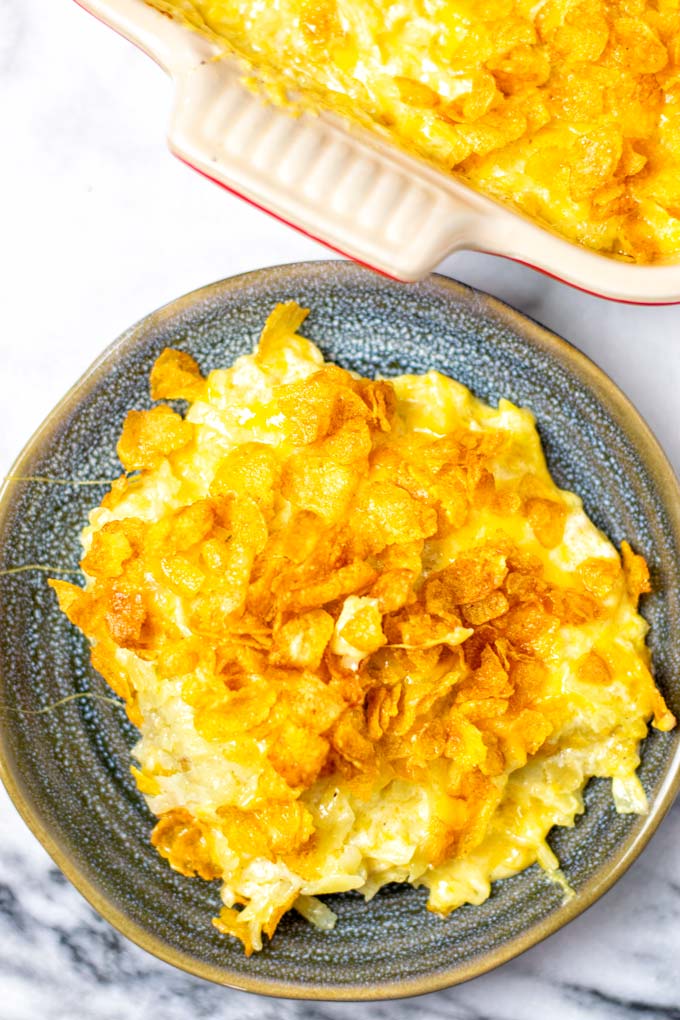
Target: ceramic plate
column 68, row 768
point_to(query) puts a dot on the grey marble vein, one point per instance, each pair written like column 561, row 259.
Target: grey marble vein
column 99, row 226
column 620, row 1006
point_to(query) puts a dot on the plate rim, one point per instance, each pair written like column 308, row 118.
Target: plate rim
column 667, row 485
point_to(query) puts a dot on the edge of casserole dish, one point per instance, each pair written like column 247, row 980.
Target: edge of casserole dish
column 345, row 186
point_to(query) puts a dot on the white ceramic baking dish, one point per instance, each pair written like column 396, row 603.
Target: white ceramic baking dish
column 344, row 186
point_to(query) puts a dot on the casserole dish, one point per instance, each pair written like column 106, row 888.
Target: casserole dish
column 344, row 185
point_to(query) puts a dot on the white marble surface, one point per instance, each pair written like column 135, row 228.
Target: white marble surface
column 99, row 225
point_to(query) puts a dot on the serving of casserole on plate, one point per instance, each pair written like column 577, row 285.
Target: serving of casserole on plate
column 431, row 116
column 418, row 622
column 365, row 637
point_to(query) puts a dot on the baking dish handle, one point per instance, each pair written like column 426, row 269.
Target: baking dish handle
column 362, row 198
column 164, row 40
column 354, row 192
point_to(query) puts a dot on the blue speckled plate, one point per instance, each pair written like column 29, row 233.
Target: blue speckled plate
column 68, row 768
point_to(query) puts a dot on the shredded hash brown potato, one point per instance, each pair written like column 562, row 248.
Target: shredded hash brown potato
column 364, row 636
column 568, row 110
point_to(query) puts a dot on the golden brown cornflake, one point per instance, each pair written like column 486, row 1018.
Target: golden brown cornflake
column 347, row 445
column 664, row 719
column 382, row 705
column 528, row 625
column 125, row 614
column 175, row 376
column 546, row 517
column 302, row 640
column 636, row 573
column 187, row 527
column 278, row 330
column 103, row 657
column 229, row 922
column 149, row 436
column 320, row 405
column 488, row 608
column 522, row 585
column 381, row 401
column 351, row 741
column 112, row 546
column 322, row 486
column 385, row 514
column 297, row 754
column 506, row 502
column 347, row 580
column 277, row 828
column 423, row 637
column 450, row 492
column 250, row 469
column 74, row 602
column 530, row 729
column 530, row 678
column 184, row 842
column 416, row 93
column 119, row 489
column 472, row 105
column 481, row 797
column 471, row 577
column 599, row 575
column 305, row 698
column 183, row 576
column 573, row 607
column 489, row 680
column 393, row 590
column 179, row 658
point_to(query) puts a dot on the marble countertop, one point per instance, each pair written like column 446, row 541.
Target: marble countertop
column 99, row 226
